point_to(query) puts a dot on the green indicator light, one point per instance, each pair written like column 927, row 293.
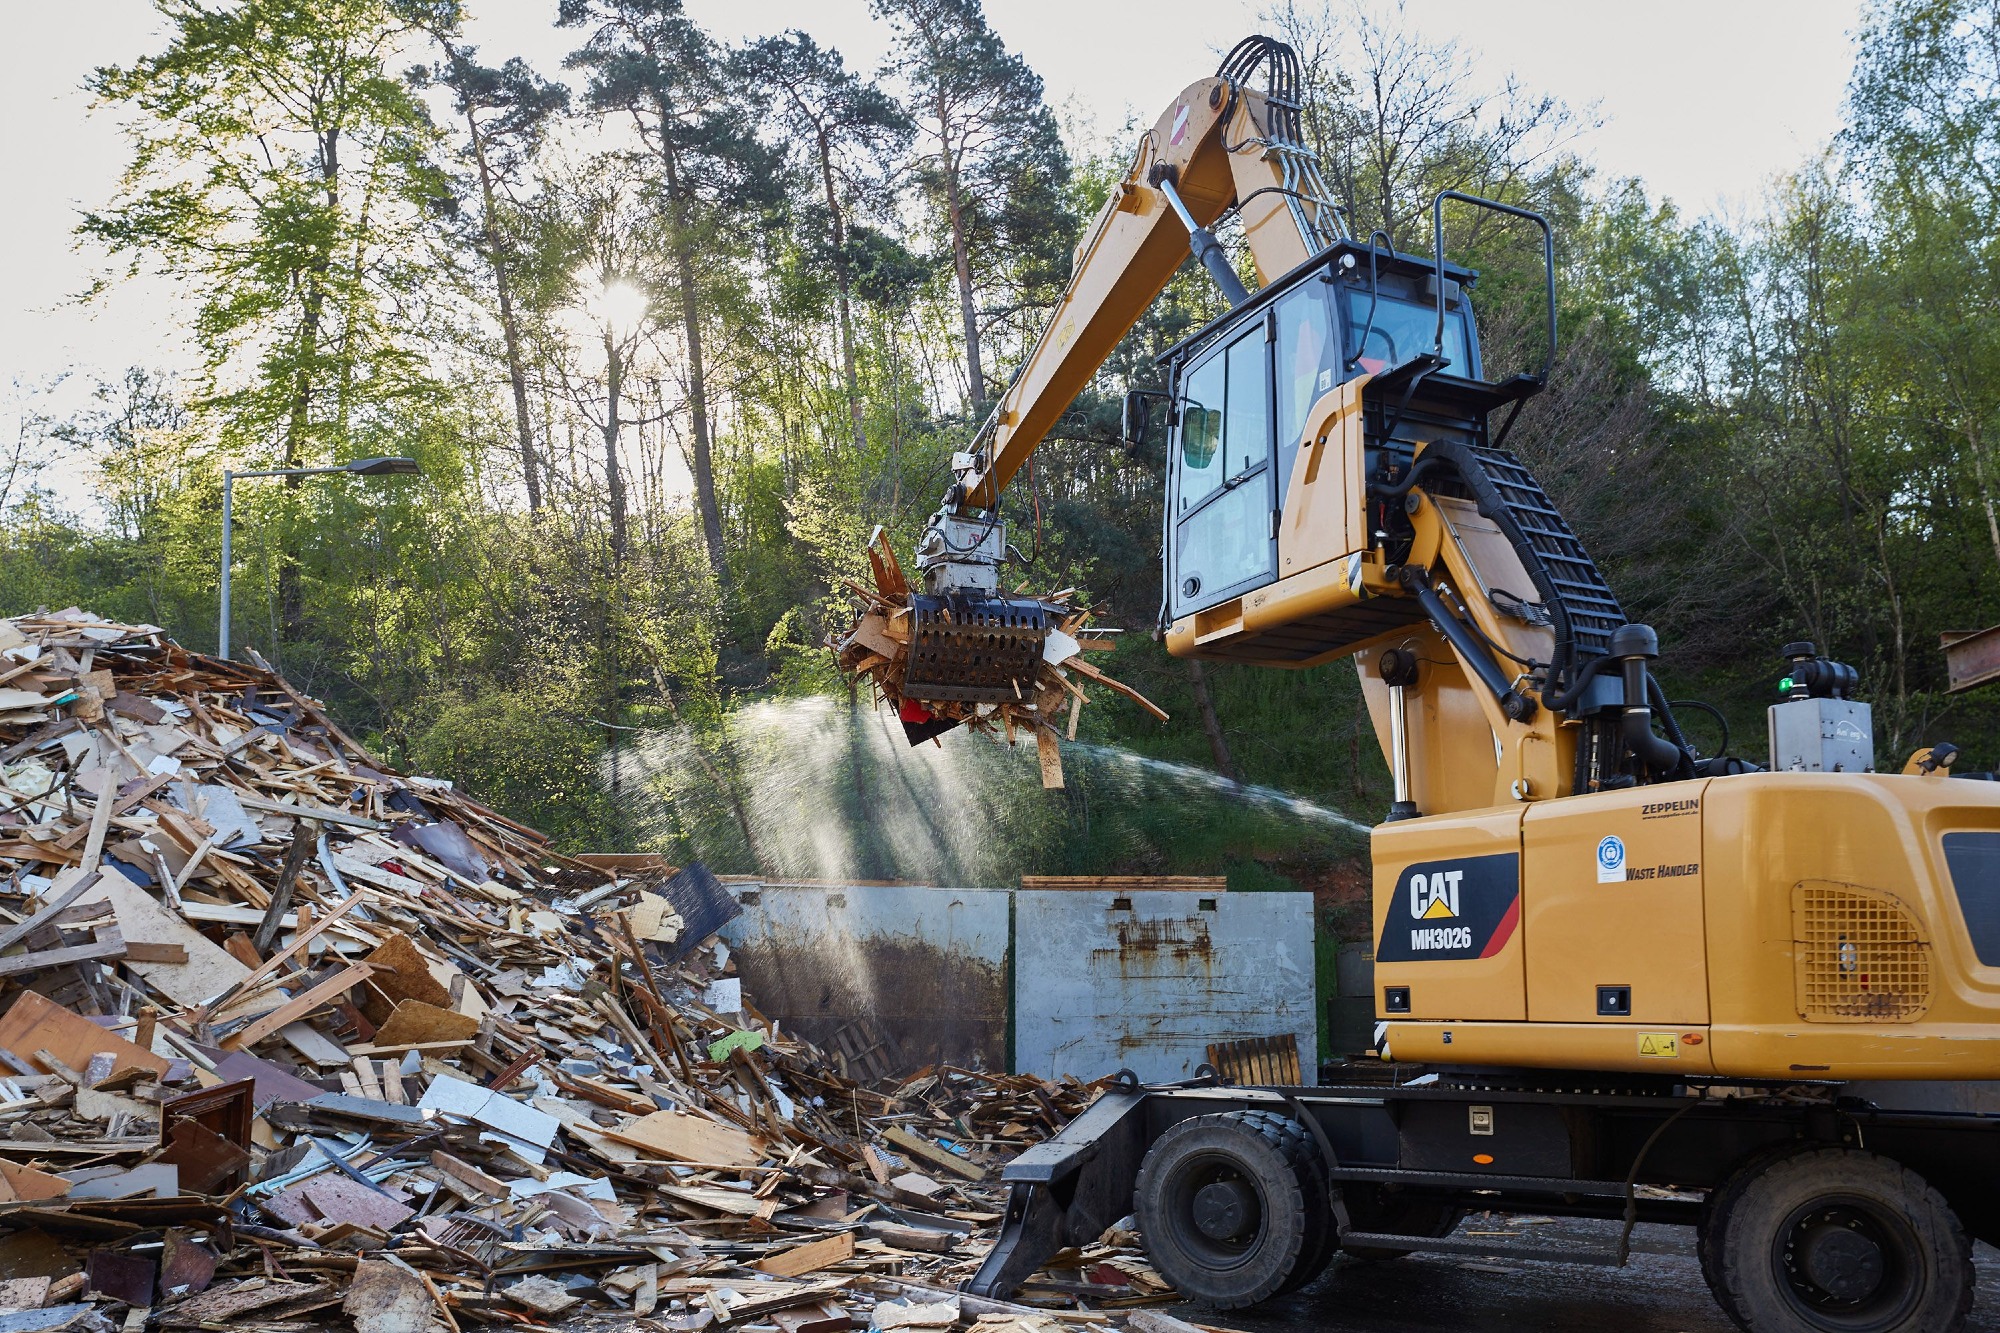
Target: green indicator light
column 1785, row 685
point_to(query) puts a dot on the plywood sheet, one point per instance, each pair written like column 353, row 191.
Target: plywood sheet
column 413, row 1023
column 142, row 919
column 689, row 1138
column 36, row 1023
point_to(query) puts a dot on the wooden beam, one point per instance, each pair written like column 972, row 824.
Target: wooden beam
column 13, row 935
column 299, row 1006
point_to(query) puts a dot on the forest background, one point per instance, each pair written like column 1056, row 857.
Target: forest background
column 670, row 336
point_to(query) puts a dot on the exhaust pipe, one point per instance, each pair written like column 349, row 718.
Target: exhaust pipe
column 1634, row 646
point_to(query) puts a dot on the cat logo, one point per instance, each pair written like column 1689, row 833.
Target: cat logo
column 1435, row 895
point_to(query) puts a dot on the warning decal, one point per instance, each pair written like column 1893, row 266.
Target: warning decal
column 1180, row 124
column 1463, row 908
column 1660, row 1045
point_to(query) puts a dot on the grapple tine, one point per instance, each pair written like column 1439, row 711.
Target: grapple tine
column 971, row 649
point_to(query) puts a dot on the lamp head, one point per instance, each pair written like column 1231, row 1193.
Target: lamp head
column 384, row 467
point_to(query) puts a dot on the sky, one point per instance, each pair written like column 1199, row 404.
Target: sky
column 1705, row 100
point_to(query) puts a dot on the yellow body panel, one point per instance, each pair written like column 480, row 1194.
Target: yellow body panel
column 1489, row 985
column 1631, row 919
column 1811, row 932
column 1322, row 518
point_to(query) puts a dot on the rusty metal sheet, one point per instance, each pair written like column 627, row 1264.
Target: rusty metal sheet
column 1146, row 981
column 1971, row 657
column 891, row 977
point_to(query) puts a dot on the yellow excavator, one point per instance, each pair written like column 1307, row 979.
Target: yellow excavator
column 1614, row 977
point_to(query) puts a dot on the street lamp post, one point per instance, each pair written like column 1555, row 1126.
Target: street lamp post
column 360, row 467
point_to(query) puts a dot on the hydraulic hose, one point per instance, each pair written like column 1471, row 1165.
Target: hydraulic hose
column 1517, row 706
column 1568, row 699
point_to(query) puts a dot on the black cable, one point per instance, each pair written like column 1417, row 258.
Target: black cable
column 1713, row 712
column 1526, row 663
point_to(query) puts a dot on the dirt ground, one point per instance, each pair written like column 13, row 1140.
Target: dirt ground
column 1660, row 1291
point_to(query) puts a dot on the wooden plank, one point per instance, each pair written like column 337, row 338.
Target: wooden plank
column 1049, row 751
column 100, row 816
column 936, row 1156
column 344, row 980
column 136, row 952
column 469, row 1175
column 109, row 944
column 689, row 1138
column 122, row 805
column 13, row 935
column 811, row 1257
column 279, row 959
column 324, row 813
column 1087, row 669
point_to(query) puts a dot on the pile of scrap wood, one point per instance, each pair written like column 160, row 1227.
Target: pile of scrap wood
column 289, row 1037
column 877, row 648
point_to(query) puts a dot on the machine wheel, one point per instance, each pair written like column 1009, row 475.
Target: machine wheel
column 1835, row 1240
column 1322, row 1236
column 1371, row 1208
column 1233, row 1209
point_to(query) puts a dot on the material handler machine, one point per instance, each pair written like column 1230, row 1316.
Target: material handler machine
column 1614, row 978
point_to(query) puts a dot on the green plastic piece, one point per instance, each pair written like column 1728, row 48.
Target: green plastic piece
column 735, row 1041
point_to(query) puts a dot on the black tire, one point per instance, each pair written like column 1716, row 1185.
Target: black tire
column 1233, row 1208
column 1715, row 1210
column 1834, row 1240
column 1371, row 1208
column 1322, row 1240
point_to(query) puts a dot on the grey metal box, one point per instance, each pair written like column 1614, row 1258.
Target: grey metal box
column 1822, row 736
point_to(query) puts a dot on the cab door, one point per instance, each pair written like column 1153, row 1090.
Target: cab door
column 1222, row 541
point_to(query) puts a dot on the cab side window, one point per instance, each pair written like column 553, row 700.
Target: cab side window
column 1222, row 509
column 1308, row 363
column 1201, row 433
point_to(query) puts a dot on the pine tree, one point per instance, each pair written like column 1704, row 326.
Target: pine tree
column 846, row 126
column 645, row 58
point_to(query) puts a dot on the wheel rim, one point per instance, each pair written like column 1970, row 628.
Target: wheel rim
column 1216, row 1212
column 1847, row 1263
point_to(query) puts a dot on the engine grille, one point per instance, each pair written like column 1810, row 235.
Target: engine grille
column 1860, row 956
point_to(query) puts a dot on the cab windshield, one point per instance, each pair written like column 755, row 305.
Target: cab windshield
column 1400, row 330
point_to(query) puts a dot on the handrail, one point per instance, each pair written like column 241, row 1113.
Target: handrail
column 1548, row 262
column 1374, row 296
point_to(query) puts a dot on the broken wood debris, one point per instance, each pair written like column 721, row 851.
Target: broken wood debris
column 367, row 1052
column 876, row 647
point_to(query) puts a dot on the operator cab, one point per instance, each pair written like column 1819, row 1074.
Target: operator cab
column 1242, row 393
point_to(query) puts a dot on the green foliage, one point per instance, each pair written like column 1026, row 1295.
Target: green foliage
column 532, row 751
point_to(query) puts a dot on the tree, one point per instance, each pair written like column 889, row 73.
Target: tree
column 846, row 126
column 993, row 151
column 647, row 60
column 281, row 172
column 507, row 111
column 595, row 281
column 1397, row 118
